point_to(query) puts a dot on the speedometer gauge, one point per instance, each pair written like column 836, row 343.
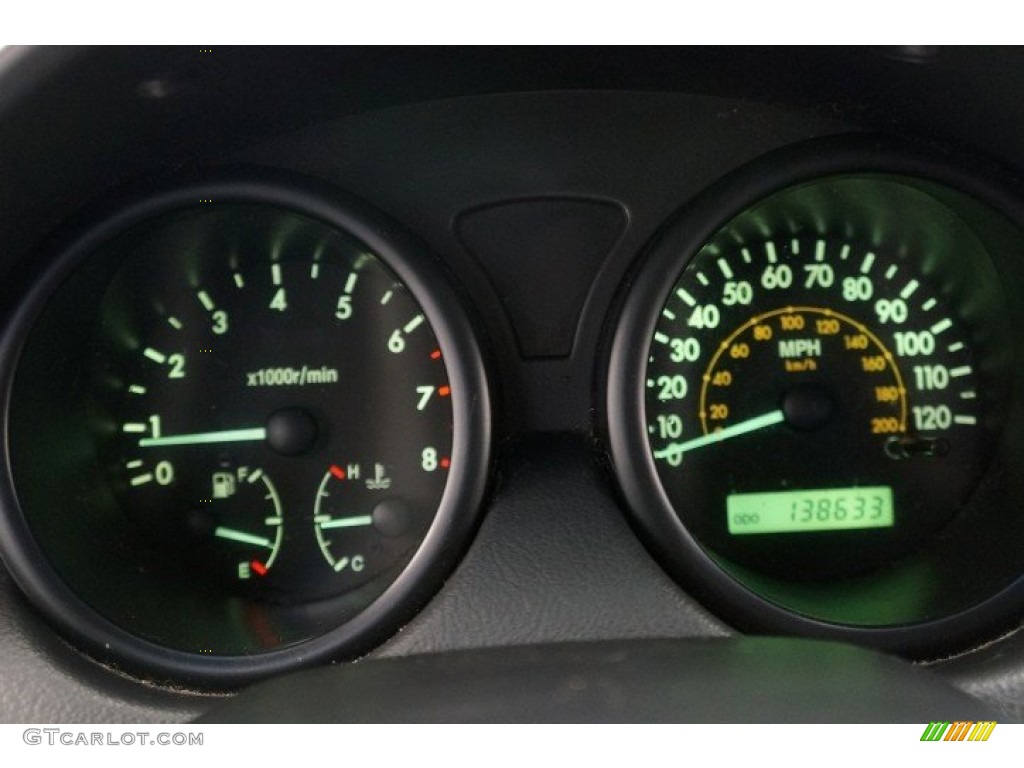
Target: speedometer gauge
column 788, row 375
column 807, row 394
column 248, row 426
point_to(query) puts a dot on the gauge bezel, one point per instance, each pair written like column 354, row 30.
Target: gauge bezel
column 623, row 425
column 461, row 504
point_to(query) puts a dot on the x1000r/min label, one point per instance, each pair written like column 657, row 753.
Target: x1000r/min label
column 291, row 377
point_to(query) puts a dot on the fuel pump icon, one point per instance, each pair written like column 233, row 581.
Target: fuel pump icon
column 224, row 485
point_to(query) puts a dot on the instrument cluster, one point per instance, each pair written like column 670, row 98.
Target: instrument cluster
column 250, row 417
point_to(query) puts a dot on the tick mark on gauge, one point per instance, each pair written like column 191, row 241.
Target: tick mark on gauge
column 844, row 253
column 175, row 323
column 890, row 273
column 413, row 324
column 155, row 356
column 794, row 246
column 956, row 346
column 723, row 265
column 941, row 326
column 930, row 304
column 239, row 281
column 819, row 251
column 206, row 301
column 686, row 297
column 350, row 282
column 702, row 279
column 869, row 261
column 668, row 314
column 386, row 297
column 275, row 273
column 747, row 258
column 908, row 289
column 137, row 389
column 769, row 249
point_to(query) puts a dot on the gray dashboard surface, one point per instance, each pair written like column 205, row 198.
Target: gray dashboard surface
column 742, row 680
column 44, row 680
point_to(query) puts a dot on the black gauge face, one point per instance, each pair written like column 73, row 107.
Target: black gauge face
column 243, row 426
column 806, row 405
column 813, row 404
column 282, row 421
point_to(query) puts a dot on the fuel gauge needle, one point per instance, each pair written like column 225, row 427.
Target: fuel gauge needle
column 245, row 538
column 198, row 438
column 750, row 425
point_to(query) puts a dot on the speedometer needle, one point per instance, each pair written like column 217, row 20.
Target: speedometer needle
column 750, row 425
column 198, row 438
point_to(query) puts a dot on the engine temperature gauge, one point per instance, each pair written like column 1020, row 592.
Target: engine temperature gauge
column 359, row 516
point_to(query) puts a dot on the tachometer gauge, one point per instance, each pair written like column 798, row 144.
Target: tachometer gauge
column 805, row 406
column 237, row 381
column 248, row 426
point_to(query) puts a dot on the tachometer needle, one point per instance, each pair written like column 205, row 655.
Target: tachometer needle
column 245, row 538
column 198, row 438
column 742, row 428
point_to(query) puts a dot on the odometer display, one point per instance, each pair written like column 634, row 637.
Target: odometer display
column 811, row 510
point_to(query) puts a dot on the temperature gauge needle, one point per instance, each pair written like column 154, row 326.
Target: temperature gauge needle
column 750, row 425
column 199, row 438
column 344, row 522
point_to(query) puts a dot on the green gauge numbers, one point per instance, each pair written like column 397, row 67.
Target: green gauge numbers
column 802, row 363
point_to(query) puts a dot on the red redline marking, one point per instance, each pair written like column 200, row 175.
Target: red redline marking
column 337, row 471
column 435, row 355
column 258, row 567
column 446, row 462
column 444, row 391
